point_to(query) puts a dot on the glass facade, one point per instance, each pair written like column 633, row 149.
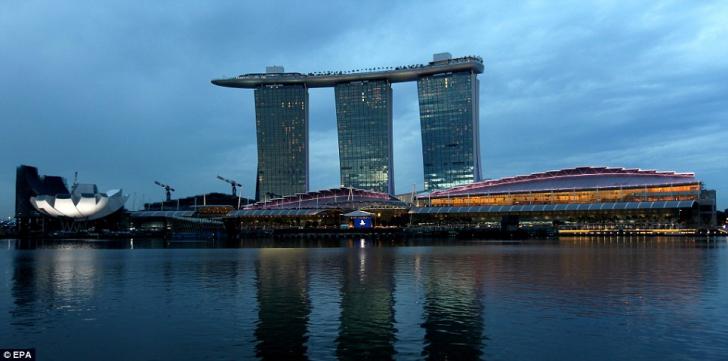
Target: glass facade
column 364, row 121
column 449, row 123
column 281, row 117
column 658, row 193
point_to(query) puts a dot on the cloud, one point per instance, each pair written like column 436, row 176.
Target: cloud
column 120, row 91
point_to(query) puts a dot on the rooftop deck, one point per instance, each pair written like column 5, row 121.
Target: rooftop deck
column 331, row 78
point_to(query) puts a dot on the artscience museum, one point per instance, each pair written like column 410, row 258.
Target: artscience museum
column 43, row 202
column 84, row 203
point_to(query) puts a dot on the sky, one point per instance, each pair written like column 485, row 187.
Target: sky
column 120, row 91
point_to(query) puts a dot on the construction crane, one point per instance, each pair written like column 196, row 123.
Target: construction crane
column 233, row 184
column 167, row 190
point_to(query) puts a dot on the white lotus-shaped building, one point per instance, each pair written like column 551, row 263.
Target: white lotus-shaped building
column 84, row 203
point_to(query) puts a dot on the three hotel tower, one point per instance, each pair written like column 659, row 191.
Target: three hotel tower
column 448, row 95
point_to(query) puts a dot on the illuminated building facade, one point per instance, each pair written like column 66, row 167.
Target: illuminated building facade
column 364, row 122
column 448, row 98
column 595, row 196
column 577, row 185
column 44, row 203
column 449, row 125
column 281, row 117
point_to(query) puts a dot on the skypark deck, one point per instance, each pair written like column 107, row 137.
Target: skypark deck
column 328, row 79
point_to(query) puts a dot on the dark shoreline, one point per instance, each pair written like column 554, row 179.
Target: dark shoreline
column 374, row 234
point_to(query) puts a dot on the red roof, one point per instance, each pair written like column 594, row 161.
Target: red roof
column 571, row 178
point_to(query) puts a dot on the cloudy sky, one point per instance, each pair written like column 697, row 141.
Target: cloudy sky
column 120, row 90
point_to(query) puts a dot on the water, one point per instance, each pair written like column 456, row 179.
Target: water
column 571, row 300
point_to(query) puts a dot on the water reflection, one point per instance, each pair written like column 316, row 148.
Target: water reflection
column 453, row 310
column 283, row 303
column 576, row 299
column 24, row 290
column 367, row 329
column 57, row 282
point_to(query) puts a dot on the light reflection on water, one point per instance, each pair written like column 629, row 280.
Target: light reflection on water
column 574, row 299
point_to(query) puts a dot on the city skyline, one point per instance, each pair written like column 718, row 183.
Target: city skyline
column 634, row 85
column 448, row 96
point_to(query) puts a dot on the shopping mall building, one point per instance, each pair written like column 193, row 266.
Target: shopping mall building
column 577, row 200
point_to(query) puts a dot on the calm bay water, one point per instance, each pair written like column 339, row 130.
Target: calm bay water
column 570, row 300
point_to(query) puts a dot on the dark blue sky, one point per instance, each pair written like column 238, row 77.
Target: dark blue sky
column 121, row 93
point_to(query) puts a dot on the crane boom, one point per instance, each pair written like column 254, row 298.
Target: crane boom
column 167, row 189
column 233, row 183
